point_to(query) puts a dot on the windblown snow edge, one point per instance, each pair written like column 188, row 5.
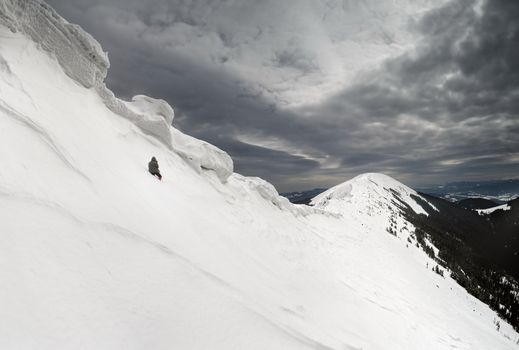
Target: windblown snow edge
column 83, row 60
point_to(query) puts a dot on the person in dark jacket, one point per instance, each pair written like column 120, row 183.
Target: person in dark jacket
column 153, row 168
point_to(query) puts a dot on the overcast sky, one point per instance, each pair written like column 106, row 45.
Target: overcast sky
column 310, row 93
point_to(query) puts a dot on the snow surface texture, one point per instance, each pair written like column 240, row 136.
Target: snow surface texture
column 78, row 53
column 98, row 254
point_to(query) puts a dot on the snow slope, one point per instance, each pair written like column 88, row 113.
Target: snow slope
column 98, row 254
column 493, row 209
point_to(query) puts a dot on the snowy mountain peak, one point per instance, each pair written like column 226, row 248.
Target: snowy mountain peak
column 370, row 189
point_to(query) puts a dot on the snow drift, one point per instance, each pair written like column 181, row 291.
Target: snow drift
column 83, row 60
column 98, row 254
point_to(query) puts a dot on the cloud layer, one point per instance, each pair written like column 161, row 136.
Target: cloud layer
column 310, row 96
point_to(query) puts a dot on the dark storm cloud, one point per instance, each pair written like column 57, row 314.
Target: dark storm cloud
column 267, row 163
column 447, row 110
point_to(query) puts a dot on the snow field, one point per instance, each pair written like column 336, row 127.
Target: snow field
column 98, row 254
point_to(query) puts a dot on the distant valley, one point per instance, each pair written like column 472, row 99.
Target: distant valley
column 500, row 191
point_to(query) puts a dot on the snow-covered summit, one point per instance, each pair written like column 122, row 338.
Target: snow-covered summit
column 367, row 189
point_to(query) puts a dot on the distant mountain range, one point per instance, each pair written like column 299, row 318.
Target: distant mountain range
column 495, row 191
column 303, row 197
column 477, row 203
column 500, row 191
